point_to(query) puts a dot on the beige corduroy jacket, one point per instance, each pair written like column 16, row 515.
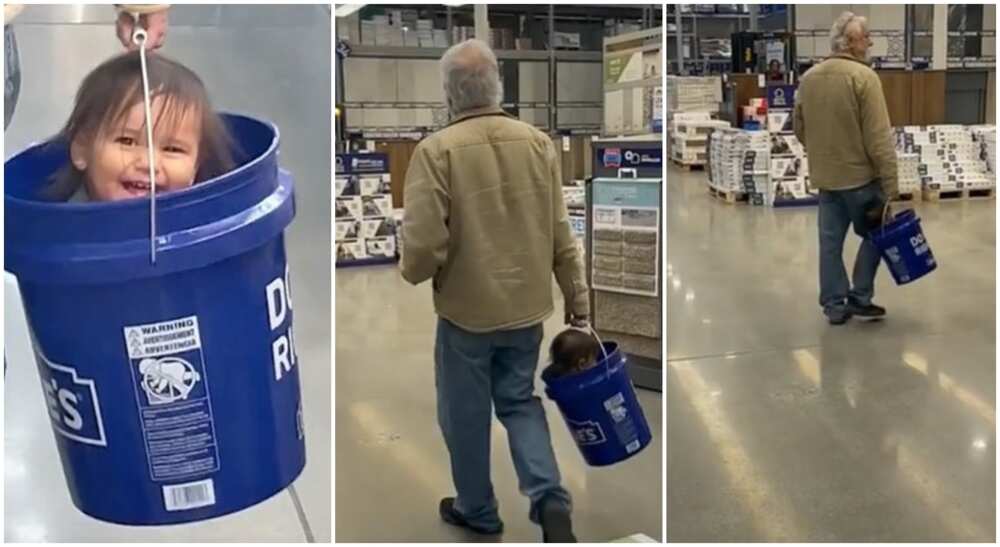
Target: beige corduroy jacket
column 485, row 219
column 842, row 119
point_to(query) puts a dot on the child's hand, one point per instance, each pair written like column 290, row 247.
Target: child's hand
column 155, row 24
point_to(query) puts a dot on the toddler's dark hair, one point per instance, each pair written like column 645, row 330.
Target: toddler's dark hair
column 573, row 350
column 111, row 89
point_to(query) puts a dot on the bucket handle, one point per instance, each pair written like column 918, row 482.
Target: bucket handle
column 139, row 37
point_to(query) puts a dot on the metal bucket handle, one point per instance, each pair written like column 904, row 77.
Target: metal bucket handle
column 139, row 37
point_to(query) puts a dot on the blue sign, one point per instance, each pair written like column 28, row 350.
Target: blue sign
column 781, row 96
column 349, row 164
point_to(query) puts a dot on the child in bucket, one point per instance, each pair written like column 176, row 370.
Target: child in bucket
column 573, row 351
column 106, row 132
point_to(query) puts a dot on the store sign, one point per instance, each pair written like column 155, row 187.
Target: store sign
column 348, row 164
column 781, row 96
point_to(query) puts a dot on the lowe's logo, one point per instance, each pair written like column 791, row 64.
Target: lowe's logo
column 73, row 405
column 587, row 433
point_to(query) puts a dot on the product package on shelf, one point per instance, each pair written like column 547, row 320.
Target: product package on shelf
column 951, row 159
column 739, row 161
column 576, row 206
column 365, row 228
column 693, row 93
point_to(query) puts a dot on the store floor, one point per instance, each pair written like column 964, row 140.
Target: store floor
column 392, row 465
column 265, row 61
column 783, row 428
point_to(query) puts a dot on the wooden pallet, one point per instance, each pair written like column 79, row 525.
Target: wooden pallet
column 959, row 195
column 943, row 195
column 729, row 196
column 980, row 193
column 688, row 166
column 914, row 196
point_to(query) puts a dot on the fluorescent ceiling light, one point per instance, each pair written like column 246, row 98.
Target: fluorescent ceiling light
column 344, row 10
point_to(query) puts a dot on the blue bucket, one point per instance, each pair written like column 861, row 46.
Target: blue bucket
column 904, row 247
column 601, row 409
column 172, row 388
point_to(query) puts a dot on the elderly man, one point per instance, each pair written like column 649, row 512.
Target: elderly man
column 486, row 222
column 842, row 119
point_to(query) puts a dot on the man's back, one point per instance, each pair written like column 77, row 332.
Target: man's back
column 495, row 181
column 842, row 119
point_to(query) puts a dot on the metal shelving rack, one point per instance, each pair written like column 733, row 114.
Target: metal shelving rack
column 647, row 16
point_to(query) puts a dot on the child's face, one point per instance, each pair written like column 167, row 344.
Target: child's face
column 116, row 161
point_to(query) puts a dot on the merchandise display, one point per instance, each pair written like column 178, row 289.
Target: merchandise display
column 365, row 226
column 950, row 159
column 740, row 162
column 576, row 206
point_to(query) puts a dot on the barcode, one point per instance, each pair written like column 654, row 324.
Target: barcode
column 179, row 497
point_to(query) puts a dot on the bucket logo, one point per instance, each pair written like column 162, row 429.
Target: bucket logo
column 73, row 405
column 168, row 379
column 612, row 157
column 587, row 433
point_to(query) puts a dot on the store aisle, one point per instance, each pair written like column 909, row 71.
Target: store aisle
column 271, row 62
column 392, row 465
column 783, row 428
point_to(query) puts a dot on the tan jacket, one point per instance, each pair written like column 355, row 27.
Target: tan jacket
column 842, row 120
column 485, row 218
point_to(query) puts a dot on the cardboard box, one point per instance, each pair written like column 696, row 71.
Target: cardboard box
column 382, row 247
column 347, row 229
column 376, row 206
column 351, row 250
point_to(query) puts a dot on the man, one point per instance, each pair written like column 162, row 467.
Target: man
column 485, row 220
column 842, row 119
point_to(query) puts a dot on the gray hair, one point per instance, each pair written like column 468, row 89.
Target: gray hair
column 838, row 32
column 471, row 76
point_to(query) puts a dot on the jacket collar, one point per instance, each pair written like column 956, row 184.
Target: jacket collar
column 849, row 58
column 477, row 112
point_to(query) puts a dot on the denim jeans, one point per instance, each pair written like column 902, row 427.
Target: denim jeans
column 838, row 210
column 473, row 373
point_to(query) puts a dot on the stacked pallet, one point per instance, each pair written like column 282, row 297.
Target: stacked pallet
column 689, row 134
column 789, row 171
column 986, row 136
column 950, row 164
column 740, row 163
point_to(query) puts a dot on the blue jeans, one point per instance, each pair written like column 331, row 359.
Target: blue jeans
column 838, row 210
column 473, row 373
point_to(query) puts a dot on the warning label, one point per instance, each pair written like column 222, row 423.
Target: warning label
column 173, row 398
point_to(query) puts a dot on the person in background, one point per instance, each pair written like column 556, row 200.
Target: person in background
column 774, row 73
column 485, row 221
column 842, row 119
column 152, row 17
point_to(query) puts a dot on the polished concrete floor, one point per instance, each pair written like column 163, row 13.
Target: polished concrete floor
column 783, row 428
column 392, row 465
column 267, row 61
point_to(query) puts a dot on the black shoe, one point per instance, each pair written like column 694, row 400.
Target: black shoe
column 451, row 515
column 839, row 317
column 556, row 524
column 871, row 312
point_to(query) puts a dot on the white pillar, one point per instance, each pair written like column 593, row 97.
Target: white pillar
column 939, row 58
column 482, row 23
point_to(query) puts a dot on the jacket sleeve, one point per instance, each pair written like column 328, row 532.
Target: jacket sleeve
column 426, row 202
column 877, row 133
column 568, row 264
column 799, row 123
